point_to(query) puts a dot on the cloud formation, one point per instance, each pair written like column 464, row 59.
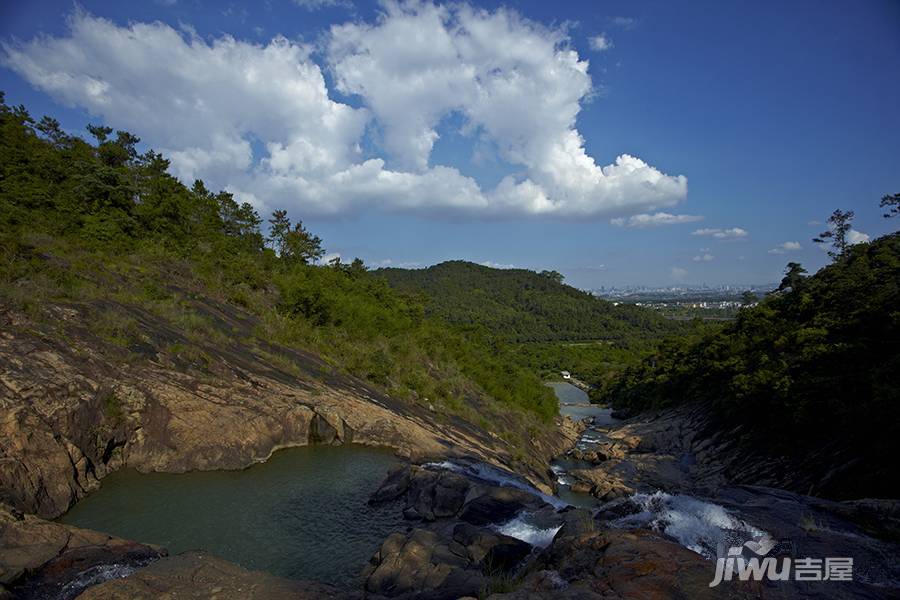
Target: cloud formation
column 857, row 237
column 259, row 120
column 644, row 220
column 704, row 258
column 734, row 233
column 786, row 247
column 600, row 42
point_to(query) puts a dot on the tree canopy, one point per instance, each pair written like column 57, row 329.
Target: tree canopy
column 130, row 230
column 524, row 306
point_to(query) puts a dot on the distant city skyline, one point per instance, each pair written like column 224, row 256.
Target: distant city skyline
column 643, row 143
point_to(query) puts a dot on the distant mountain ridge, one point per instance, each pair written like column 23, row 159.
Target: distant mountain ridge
column 522, row 305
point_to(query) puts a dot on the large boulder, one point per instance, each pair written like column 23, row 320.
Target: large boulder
column 40, row 559
column 431, row 494
column 421, row 562
column 449, row 562
column 498, row 504
column 620, row 564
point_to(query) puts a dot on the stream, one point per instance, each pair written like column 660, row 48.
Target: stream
column 574, row 403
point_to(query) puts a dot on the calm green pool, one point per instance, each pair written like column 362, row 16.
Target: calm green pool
column 302, row 514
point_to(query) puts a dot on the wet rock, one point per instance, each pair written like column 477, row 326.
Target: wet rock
column 442, row 494
column 498, row 504
column 493, row 552
column 865, row 531
column 447, row 562
column 394, row 486
column 435, row 495
column 421, row 562
column 581, row 487
column 619, row 564
column 608, row 450
column 40, row 559
column 199, row 575
column 616, row 478
column 577, row 521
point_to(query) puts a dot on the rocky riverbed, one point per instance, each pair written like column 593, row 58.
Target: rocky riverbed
column 75, row 408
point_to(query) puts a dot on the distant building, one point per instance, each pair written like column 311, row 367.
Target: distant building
column 566, row 375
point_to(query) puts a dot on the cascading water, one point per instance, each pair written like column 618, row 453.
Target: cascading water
column 495, row 476
column 696, row 524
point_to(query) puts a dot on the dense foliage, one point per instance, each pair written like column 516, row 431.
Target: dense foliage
column 524, row 306
column 551, row 326
column 818, row 358
column 81, row 221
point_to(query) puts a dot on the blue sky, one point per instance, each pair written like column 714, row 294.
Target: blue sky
column 396, row 151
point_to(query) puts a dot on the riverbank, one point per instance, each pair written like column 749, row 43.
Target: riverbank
column 645, row 522
column 74, row 408
column 675, row 474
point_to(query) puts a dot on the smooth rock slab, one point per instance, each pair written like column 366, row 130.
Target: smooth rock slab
column 199, row 575
column 39, row 558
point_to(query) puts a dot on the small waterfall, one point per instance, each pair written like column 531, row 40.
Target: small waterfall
column 532, row 533
column 696, row 524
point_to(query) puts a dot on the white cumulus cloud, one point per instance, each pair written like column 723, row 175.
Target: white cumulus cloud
column 703, row 258
column 857, row 237
column 260, row 121
column 722, row 234
column 644, row 220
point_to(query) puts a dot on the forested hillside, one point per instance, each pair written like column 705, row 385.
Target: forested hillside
column 524, row 306
column 816, row 362
column 82, row 222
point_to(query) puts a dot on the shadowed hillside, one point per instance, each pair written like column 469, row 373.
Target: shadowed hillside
column 809, row 372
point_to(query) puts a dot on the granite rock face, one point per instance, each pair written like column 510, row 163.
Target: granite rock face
column 42, row 559
column 74, row 407
column 443, row 563
column 452, row 550
column 619, row 564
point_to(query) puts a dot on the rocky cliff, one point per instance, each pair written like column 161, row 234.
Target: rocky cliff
column 75, row 406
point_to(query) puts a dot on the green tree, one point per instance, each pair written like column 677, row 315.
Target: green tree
column 239, row 221
column 51, row 129
column 892, row 203
column 294, row 244
column 100, row 132
column 279, row 228
column 553, row 276
column 794, row 274
column 302, row 246
column 840, row 222
column 357, row 267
